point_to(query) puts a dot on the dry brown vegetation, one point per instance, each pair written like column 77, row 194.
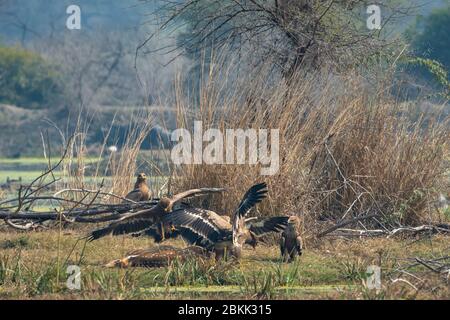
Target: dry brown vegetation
column 111, row 172
column 347, row 149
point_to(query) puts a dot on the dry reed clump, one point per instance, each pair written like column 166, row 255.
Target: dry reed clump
column 111, row 172
column 345, row 150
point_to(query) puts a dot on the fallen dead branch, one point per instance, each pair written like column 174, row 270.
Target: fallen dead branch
column 342, row 224
column 433, row 229
column 110, row 194
column 18, row 212
column 441, row 265
column 436, row 273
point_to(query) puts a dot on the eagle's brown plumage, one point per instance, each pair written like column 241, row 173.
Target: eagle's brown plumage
column 141, row 191
column 220, row 234
column 291, row 241
column 158, row 257
column 148, row 218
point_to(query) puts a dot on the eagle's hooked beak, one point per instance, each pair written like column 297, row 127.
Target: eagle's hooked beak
column 121, row 263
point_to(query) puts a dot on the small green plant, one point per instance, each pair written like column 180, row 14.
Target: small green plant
column 43, row 281
column 405, row 212
column 446, row 212
column 4, row 269
column 259, row 284
column 21, row 242
column 11, row 269
column 287, row 276
column 353, row 270
column 198, row 272
column 113, row 284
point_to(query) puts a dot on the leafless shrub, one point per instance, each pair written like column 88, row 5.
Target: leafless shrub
column 295, row 35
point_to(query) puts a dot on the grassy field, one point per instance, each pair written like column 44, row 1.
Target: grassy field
column 33, row 266
column 26, row 169
column 29, row 168
column 26, row 176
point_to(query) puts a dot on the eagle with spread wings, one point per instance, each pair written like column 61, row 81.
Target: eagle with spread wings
column 216, row 233
column 149, row 219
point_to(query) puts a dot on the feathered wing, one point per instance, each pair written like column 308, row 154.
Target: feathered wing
column 260, row 227
column 134, row 195
column 206, row 228
column 130, row 223
column 144, row 219
column 141, row 192
column 299, row 245
column 194, row 193
column 253, row 196
column 194, row 239
column 156, row 234
column 283, row 244
column 198, row 226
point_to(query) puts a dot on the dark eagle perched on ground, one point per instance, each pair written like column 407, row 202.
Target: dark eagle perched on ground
column 291, row 241
column 149, row 218
column 157, row 257
column 209, row 230
column 141, row 191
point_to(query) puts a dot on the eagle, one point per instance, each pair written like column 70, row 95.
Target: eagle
column 159, row 256
column 141, row 191
column 149, row 218
column 291, row 241
column 207, row 229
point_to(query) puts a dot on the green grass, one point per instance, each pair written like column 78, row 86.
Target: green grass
column 32, row 267
column 27, row 176
column 30, row 168
column 37, row 160
column 27, row 168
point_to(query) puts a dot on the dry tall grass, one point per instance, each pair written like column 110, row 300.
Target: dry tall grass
column 112, row 172
column 346, row 149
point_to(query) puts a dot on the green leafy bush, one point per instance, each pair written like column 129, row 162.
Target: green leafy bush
column 27, row 80
column 429, row 62
column 429, row 36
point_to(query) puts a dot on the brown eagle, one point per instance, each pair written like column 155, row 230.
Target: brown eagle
column 149, row 218
column 213, row 232
column 159, row 256
column 141, row 191
column 291, row 241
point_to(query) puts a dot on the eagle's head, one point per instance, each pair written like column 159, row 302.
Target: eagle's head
column 142, row 177
column 165, row 204
column 293, row 220
column 119, row 263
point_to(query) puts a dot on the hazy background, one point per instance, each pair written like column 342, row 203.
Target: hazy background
column 94, row 68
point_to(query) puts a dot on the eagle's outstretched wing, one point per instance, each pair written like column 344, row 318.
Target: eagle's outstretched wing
column 253, row 196
column 262, row 226
column 144, row 219
column 193, row 193
column 129, row 223
column 135, row 195
column 198, row 226
column 206, row 228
